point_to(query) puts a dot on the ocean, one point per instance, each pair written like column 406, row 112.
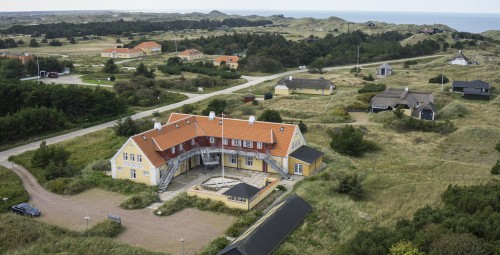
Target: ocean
column 464, row 22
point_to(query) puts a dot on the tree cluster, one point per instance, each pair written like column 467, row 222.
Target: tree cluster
column 11, row 68
column 63, row 29
column 29, row 108
column 440, row 78
column 192, row 85
column 8, row 43
column 270, row 115
column 142, row 91
column 215, row 105
column 467, row 224
column 175, row 66
column 404, row 123
column 350, row 141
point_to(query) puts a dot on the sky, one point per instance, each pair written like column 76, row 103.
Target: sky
column 456, row 6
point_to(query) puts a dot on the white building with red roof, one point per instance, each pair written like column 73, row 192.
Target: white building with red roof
column 122, row 53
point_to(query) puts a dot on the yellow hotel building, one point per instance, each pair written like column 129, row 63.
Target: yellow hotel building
column 187, row 141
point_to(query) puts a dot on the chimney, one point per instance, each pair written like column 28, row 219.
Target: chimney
column 211, row 116
column 251, row 120
column 290, row 77
column 157, row 125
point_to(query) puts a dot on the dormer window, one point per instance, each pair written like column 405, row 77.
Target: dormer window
column 212, row 139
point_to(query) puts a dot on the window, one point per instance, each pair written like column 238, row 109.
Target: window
column 248, row 144
column 146, row 173
column 234, row 159
column 259, row 145
column 297, row 168
column 236, row 142
column 181, row 146
column 212, row 139
column 249, row 161
column 192, row 141
column 132, row 174
column 173, row 150
column 132, row 157
column 225, row 141
column 125, row 156
column 139, row 158
column 120, row 168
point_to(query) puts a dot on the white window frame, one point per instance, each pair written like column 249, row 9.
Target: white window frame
column 298, row 169
column 247, row 144
column 212, row 139
column 125, row 156
column 132, row 157
column 259, row 145
column 236, row 142
column 225, row 141
column 146, row 173
column 133, row 174
column 233, row 159
column 119, row 168
column 139, row 158
column 172, row 150
column 249, row 161
column 192, row 141
column 181, row 147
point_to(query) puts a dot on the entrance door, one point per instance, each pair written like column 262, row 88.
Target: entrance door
column 264, row 167
column 189, row 163
column 297, row 169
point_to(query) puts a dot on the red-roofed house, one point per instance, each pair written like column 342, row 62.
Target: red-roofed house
column 186, row 141
column 123, row 53
column 191, row 54
column 150, row 48
column 23, row 57
column 230, row 61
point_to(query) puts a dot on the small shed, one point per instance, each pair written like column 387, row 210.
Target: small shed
column 384, row 70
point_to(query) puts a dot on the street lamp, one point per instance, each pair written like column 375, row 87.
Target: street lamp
column 5, row 202
column 182, row 246
column 87, row 218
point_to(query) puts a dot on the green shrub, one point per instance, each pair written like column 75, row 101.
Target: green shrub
column 125, row 127
column 439, row 79
column 349, row 141
column 366, row 97
column 215, row 246
column 406, row 124
column 270, row 115
column 238, row 227
column 368, row 78
column 372, row 87
column 188, row 108
column 497, row 147
column 139, row 201
column 453, row 110
column 496, row 168
column 352, row 186
column 46, row 154
column 106, row 228
column 357, row 105
column 341, row 113
column 302, row 127
column 382, row 117
column 247, row 110
column 463, row 243
column 255, row 102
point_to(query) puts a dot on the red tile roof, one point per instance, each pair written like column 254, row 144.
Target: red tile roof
column 183, row 127
column 190, row 52
column 227, row 59
column 147, row 45
column 122, row 50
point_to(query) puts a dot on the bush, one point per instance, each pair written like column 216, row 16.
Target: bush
column 372, row 87
column 268, row 95
column 238, row 227
column 340, row 114
column 45, row 155
column 349, row 141
column 302, row 127
column 366, row 97
column 352, row 186
column 407, row 124
column 139, row 201
column 67, row 186
column 404, row 248
column 255, row 102
column 270, row 115
column 408, row 63
column 453, row 244
column 496, row 168
column 106, row 228
column 439, row 79
column 453, row 110
column 215, row 246
column 248, row 110
column 125, row 127
column 188, row 108
column 368, row 78
column 216, row 105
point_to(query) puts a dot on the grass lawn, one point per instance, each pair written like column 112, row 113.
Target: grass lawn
column 11, row 188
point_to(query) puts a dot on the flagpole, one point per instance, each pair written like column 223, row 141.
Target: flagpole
column 222, row 145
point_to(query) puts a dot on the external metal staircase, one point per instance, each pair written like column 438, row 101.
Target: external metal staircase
column 276, row 167
column 210, row 160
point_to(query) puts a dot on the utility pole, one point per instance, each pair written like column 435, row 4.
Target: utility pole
column 442, row 79
column 357, row 63
column 175, row 40
column 38, row 68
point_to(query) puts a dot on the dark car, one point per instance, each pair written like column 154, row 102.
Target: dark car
column 26, row 209
column 53, row 75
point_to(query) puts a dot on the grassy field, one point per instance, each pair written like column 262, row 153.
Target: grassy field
column 11, row 188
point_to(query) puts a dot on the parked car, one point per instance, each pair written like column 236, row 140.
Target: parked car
column 53, row 75
column 26, row 209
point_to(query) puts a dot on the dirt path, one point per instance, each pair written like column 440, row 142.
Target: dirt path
column 143, row 229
